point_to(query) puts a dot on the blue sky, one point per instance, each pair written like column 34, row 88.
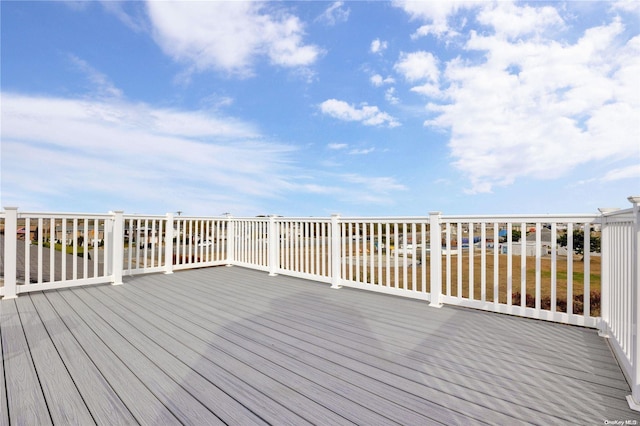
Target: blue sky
column 311, row 108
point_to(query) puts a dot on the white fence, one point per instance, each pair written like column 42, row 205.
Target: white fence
column 577, row 269
column 620, row 316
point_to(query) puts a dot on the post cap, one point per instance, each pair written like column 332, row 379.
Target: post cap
column 634, row 199
column 608, row 209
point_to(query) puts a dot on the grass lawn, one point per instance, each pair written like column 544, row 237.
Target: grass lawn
column 378, row 275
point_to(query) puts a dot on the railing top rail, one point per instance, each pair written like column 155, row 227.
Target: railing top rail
column 563, row 218
column 54, row 215
column 625, row 212
column 201, row 217
column 384, row 219
column 302, row 219
column 144, row 216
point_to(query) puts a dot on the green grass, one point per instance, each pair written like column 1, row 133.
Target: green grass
column 58, row 247
column 578, row 277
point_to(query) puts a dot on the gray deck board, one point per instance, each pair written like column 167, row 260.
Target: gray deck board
column 101, row 399
column 235, row 346
column 331, row 366
column 25, row 399
column 258, row 370
column 144, row 406
column 4, row 411
column 438, row 380
column 356, row 403
column 65, row 403
column 171, row 394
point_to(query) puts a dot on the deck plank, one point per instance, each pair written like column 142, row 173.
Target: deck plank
column 65, row 403
column 374, row 367
column 101, row 399
column 286, row 387
column 142, row 403
column 235, row 346
column 442, row 385
column 4, row 411
column 331, row 374
column 129, row 324
column 26, row 403
column 171, row 394
column 557, row 383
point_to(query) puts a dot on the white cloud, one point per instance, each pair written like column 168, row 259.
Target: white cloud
column 337, row 146
column 362, row 151
column 335, row 14
column 81, row 150
column 229, row 36
column 627, row 6
column 133, row 20
column 629, row 172
column 378, row 46
column 367, row 115
column 102, row 86
column 390, row 96
column 436, row 14
column 377, row 80
column 103, row 154
column 512, row 21
column 379, row 185
column 538, row 108
column 418, row 66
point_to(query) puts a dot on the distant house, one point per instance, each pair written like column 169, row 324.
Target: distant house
column 545, row 236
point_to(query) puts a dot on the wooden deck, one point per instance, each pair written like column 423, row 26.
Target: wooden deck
column 235, row 346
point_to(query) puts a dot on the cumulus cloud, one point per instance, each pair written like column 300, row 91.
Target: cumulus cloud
column 435, row 14
column 417, row 66
column 512, row 21
column 377, row 80
column 390, row 96
column 378, row 46
column 229, row 36
column 534, row 107
column 367, row 115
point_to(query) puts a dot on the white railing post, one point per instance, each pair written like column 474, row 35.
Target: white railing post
column 273, row 246
column 435, row 263
column 117, row 240
column 605, row 284
column 336, row 246
column 168, row 245
column 10, row 249
column 634, row 398
column 231, row 232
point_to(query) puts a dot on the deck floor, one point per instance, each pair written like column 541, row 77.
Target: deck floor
column 229, row 345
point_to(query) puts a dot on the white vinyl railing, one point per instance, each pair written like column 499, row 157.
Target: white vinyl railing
column 621, row 296
column 44, row 251
column 303, row 248
column 548, row 267
column 530, row 275
column 168, row 243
